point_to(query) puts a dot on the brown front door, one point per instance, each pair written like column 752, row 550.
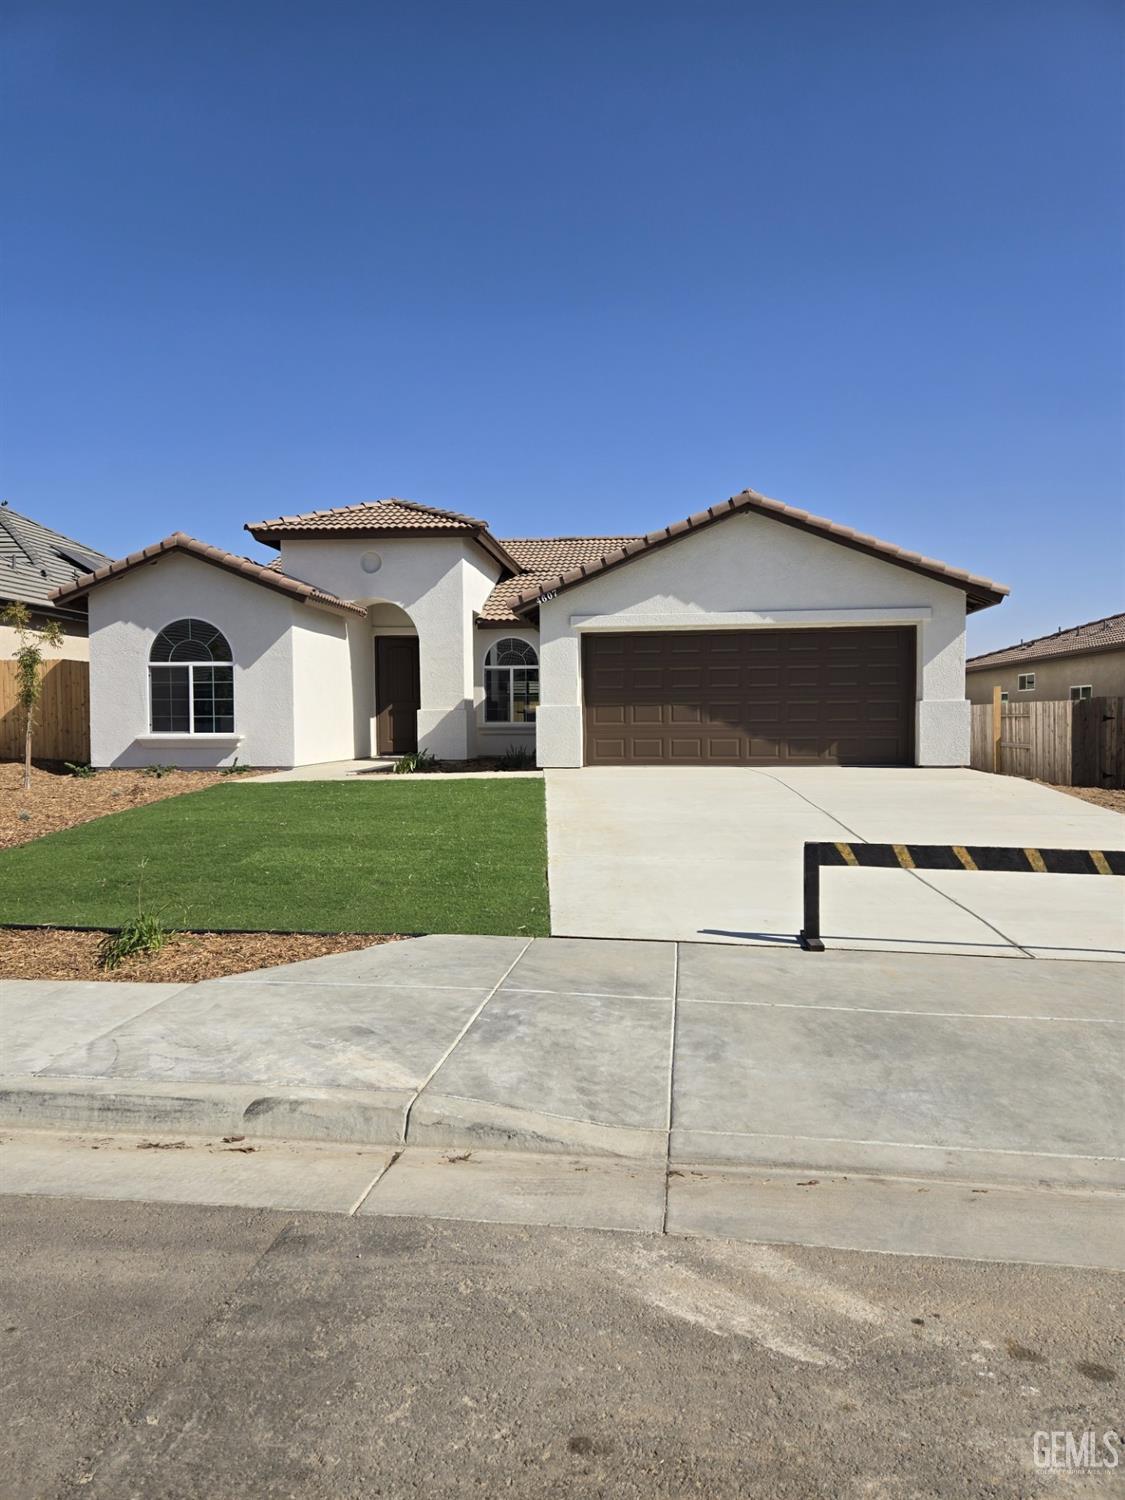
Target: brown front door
column 397, row 694
column 750, row 697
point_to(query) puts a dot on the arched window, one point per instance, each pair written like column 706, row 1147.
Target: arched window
column 511, row 682
column 191, row 680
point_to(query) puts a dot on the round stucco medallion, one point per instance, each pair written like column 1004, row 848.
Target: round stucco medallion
column 371, row 562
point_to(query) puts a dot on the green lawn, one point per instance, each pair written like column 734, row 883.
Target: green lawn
column 452, row 856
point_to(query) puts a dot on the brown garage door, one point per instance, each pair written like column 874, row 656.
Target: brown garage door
column 750, row 697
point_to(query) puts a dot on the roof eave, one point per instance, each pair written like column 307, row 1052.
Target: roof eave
column 273, row 536
column 989, row 664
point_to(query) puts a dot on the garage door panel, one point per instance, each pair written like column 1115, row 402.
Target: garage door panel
column 728, row 747
column 750, row 697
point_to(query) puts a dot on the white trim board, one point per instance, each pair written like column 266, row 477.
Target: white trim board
column 748, row 619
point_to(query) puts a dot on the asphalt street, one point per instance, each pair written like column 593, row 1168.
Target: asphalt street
column 166, row 1352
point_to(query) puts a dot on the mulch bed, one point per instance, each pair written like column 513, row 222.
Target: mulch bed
column 59, row 800
column 1101, row 796
column 61, row 953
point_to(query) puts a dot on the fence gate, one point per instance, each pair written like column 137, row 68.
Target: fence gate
column 1015, row 740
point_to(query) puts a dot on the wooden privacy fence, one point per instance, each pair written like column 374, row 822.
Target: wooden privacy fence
column 62, row 719
column 1069, row 744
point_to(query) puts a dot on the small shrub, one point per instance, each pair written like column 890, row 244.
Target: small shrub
column 158, row 771
column 417, row 760
column 236, row 768
column 76, row 770
column 516, row 758
column 140, row 934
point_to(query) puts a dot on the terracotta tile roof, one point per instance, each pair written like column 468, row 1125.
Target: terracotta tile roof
column 179, row 542
column 368, row 515
column 542, row 558
column 554, row 554
column 381, row 518
column 980, row 592
column 1106, row 634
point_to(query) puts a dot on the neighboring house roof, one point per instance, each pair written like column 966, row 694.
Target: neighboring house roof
column 281, row 583
column 542, row 558
column 979, row 592
column 34, row 560
column 381, row 518
column 1107, row 634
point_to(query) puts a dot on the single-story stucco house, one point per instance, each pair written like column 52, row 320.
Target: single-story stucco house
column 1083, row 661
column 751, row 633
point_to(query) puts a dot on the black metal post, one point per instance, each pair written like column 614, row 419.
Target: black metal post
column 810, row 932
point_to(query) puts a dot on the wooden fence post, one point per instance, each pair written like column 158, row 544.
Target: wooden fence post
column 996, row 722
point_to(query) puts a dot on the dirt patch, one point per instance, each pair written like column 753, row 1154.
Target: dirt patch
column 1100, row 796
column 61, row 953
column 59, row 800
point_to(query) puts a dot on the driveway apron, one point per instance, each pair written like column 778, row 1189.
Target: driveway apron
column 714, row 855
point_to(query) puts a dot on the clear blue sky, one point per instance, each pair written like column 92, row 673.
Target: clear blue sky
column 579, row 267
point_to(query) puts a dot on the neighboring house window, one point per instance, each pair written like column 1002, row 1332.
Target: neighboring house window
column 191, row 680
column 1078, row 693
column 1026, row 683
column 1003, row 697
column 511, row 682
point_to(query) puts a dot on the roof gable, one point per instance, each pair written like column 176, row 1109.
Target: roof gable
column 402, row 518
column 268, row 577
column 979, row 592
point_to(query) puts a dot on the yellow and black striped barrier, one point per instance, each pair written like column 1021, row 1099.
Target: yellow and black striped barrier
column 943, row 857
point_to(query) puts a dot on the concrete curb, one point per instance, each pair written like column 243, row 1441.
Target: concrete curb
column 397, row 1118
column 352, row 1116
column 373, row 1118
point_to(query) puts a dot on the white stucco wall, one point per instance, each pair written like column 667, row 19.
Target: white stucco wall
column 750, row 571
column 494, row 739
column 441, row 582
column 126, row 615
column 324, row 726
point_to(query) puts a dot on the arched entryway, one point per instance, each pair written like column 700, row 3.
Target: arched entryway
column 398, row 694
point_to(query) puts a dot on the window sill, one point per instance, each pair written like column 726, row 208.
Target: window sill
column 492, row 727
column 189, row 739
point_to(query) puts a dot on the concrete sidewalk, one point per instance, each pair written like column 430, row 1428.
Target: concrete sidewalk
column 984, row 1071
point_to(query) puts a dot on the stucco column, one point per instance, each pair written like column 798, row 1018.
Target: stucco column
column 445, row 714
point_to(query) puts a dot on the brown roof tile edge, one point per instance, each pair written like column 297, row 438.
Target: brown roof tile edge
column 308, row 518
column 179, row 541
column 981, row 592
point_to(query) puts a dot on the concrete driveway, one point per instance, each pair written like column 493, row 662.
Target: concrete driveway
column 714, row 855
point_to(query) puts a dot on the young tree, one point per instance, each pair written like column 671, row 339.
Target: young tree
column 29, row 669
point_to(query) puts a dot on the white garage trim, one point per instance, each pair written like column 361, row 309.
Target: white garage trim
column 763, row 619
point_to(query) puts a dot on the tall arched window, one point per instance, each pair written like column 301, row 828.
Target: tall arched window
column 191, row 680
column 511, row 682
